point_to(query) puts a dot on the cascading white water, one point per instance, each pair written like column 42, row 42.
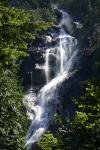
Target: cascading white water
column 47, row 65
column 65, row 55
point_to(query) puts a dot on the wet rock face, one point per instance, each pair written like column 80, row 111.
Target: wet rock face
column 58, row 14
column 32, row 71
column 29, row 74
column 35, row 147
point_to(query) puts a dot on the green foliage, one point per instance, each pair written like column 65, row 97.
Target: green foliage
column 86, row 123
column 12, row 37
column 48, row 142
column 80, row 118
column 12, row 46
column 17, row 29
column 13, row 120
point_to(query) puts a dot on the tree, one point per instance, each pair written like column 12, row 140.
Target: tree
column 86, row 123
column 13, row 121
column 17, row 29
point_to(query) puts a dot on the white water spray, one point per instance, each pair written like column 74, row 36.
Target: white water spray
column 65, row 58
column 47, row 65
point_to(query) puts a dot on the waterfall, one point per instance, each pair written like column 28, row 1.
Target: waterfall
column 64, row 55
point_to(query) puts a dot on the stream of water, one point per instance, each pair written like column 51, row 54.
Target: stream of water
column 64, row 55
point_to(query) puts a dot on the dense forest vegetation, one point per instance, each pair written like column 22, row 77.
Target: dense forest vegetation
column 21, row 21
